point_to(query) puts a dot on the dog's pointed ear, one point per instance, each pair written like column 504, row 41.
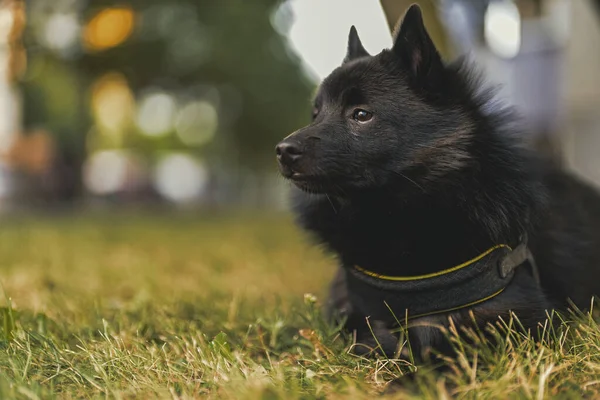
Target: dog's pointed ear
column 414, row 46
column 355, row 46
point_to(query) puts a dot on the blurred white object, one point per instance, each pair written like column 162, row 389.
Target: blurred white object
column 319, row 33
column 502, row 28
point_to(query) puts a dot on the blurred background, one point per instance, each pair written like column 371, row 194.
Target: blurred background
column 179, row 103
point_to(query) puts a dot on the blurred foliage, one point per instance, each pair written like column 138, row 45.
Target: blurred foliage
column 185, row 47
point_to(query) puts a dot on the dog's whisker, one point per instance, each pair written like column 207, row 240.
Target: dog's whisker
column 330, row 202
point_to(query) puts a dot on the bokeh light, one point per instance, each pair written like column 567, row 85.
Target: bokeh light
column 109, row 28
column 105, row 172
column 156, row 113
column 112, row 103
column 180, row 178
column 61, row 31
column 197, row 123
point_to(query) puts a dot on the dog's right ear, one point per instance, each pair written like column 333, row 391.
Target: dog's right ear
column 355, row 47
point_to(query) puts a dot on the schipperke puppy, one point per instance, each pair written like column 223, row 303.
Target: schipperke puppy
column 422, row 185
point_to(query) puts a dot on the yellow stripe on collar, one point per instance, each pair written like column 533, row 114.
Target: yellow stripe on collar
column 473, row 303
column 433, row 274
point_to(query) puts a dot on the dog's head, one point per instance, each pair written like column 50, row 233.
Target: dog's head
column 379, row 120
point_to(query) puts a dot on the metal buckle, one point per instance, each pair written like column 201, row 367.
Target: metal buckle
column 520, row 255
column 513, row 259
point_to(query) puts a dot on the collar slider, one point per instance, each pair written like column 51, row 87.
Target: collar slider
column 513, row 259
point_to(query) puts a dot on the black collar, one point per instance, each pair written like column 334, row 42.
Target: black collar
column 462, row 286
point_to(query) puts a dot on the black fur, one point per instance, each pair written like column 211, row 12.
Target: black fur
column 434, row 177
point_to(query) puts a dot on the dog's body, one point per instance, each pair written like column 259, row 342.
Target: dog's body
column 408, row 170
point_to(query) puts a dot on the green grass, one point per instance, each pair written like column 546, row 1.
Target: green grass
column 182, row 306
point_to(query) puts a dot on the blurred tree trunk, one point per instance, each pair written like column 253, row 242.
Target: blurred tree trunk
column 596, row 3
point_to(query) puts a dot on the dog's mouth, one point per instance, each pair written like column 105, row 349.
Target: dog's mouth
column 299, row 177
column 307, row 182
column 292, row 173
column 310, row 186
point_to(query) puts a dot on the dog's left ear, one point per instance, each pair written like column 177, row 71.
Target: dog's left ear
column 414, row 46
column 355, row 47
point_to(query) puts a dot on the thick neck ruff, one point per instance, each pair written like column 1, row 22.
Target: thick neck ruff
column 472, row 282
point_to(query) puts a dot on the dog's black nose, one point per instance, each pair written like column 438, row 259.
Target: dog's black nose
column 288, row 152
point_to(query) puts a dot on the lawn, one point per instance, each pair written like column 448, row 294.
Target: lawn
column 223, row 306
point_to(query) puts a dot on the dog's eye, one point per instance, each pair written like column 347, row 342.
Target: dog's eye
column 361, row 115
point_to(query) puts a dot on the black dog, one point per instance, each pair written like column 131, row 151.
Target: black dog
column 416, row 179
